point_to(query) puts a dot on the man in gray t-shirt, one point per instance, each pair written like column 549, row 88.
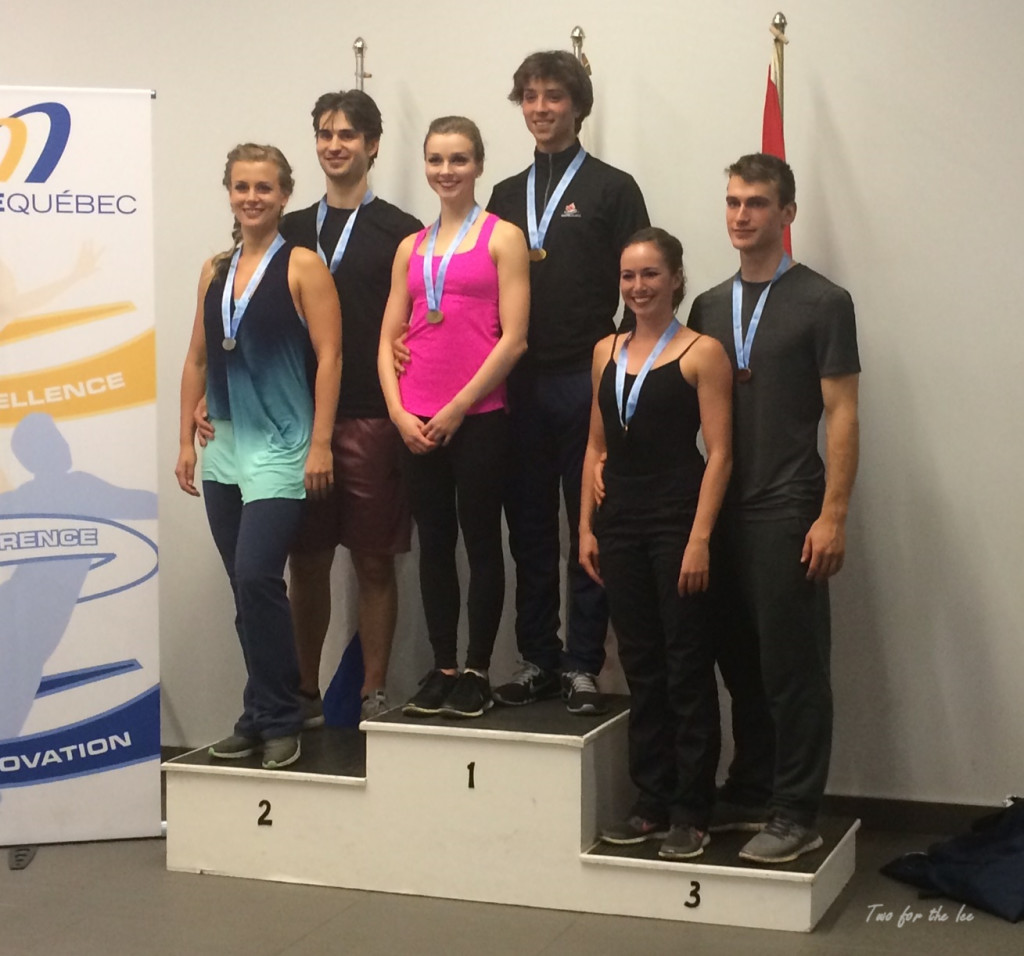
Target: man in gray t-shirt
column 791, row 335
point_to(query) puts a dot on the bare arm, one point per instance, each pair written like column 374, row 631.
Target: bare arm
column 825, row 544
column 508, row 249
column 193, row 387
column 596, row 452
column 396, row 317
column 316, row 298
column 707, row 365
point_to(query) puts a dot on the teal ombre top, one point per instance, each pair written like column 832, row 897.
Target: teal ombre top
column 260, row 394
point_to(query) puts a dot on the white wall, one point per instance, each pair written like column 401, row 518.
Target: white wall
column 904, row 128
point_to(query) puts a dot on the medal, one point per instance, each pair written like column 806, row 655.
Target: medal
column 627, row 409
column 231, row 320
column 434, row 288
column 537, row 233
column 339, row 249
column 743, row 345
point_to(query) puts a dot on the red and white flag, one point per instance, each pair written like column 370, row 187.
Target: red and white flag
column 773, row 140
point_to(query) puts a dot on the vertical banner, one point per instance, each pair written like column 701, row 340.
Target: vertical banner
column 79, row 680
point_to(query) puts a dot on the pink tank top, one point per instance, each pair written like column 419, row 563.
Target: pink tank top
column 446, row 355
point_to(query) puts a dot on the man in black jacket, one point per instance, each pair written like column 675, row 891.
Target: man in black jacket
column 577, row 213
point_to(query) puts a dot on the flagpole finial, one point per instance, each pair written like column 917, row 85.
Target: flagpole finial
column 778, row 29
column 360, row 50
column 577, row 37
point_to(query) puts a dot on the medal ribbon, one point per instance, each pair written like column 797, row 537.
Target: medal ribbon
column 232, row 321
column 626, row 412
column 537, row 234
column 743, row 345
column 339, row 249
column 435, row 287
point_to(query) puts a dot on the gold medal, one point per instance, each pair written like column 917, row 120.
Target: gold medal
column 537, row 255
column 434, row 316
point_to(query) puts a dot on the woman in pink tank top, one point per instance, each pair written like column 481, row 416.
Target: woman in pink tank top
column 462, row 286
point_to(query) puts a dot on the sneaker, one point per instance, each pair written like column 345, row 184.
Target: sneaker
column 684, row 843
column 281, row 751
column 781, row 841
column 312, row 711
column 726, row 816
column 470, row 697
column 374, row 704
column 580, row 693
column 530, row 683
column 234, row 747
column 434, row 690
column 635, row 829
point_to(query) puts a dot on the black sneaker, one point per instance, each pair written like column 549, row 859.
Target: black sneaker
column 434, row 689
column 580, row 693
column 470, row 697
column 530, row 683
column 634, row 829
column 683, row 843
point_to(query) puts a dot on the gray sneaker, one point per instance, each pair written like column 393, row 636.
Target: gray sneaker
column 634, row 829
column 683, row 843
column 312, row 711
column 281, row 751
column 726, row 816
column 580, row 693
column 234, row 747
column 374, row 704
column 781, row 841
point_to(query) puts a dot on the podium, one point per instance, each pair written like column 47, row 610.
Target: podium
column 505, row 808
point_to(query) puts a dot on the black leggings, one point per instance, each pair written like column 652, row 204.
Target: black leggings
column 460, row 485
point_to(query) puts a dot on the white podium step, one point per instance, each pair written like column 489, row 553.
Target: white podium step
column 502, row 809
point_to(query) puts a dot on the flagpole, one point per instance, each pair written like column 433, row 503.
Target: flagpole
column 778, row 30
column 360, row 50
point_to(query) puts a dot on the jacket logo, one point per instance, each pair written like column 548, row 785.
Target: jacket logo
column 571, row 212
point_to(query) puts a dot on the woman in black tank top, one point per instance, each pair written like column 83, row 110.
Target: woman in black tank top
column 647, row 543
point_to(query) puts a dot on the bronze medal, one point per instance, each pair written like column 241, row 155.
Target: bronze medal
column 537, row 255
column 434, row 316
column 743, row 375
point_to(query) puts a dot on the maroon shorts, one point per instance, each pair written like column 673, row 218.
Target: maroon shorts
column 368, row 510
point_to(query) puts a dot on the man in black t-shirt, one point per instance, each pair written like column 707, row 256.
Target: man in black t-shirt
column 792, row 338
column 356, row 234
column 583, row 212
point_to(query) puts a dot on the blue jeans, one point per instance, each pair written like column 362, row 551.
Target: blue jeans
column 550, row 422
column 253, row 542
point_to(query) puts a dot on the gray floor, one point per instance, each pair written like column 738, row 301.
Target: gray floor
column 117, row 899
